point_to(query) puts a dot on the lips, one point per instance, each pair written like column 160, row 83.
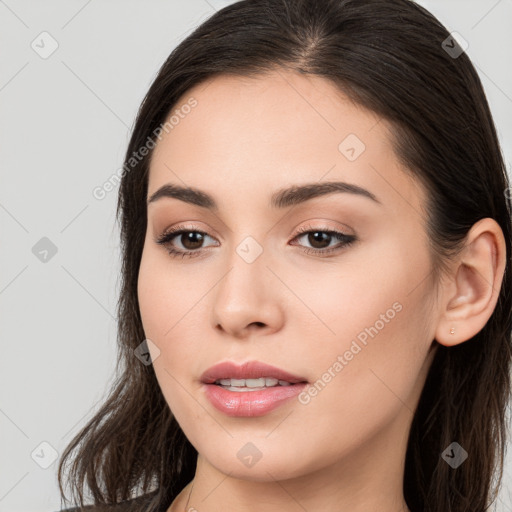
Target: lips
column 244, row 400
column 249, row 370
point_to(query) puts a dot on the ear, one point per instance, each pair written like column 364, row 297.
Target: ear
column 471, row 291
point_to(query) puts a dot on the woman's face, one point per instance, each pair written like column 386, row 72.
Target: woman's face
column 353, row 314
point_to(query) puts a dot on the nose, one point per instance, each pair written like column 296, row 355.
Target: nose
column 248, row 300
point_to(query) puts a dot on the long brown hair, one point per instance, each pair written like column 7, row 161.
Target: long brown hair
column 391, row 57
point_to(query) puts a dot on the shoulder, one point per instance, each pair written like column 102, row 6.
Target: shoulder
column 133, row 505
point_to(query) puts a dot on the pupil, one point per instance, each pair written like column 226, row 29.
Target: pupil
column 189, row 238
column 317, row 236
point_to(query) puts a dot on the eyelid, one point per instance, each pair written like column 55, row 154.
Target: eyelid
column 183, row 227
column 311, row 226
column 321, row 225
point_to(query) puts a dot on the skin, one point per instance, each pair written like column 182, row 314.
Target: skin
column 345, row 449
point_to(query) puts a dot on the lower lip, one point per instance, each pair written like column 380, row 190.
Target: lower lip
column 250, row 403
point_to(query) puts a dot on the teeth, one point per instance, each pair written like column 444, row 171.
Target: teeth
column 252, row 383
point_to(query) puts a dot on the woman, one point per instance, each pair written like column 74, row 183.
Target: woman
column 316, row 238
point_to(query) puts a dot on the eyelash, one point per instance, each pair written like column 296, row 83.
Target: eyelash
column 166, row 238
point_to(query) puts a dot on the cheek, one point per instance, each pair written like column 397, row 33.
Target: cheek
column 164, row 294
column 166, row 323
column 369, row 366
column 380, row 295
column 170, row 303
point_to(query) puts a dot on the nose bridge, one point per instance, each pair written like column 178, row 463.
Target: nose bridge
column 246, row 276
column 246, row 294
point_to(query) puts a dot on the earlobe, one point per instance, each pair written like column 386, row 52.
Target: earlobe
column 471, row 292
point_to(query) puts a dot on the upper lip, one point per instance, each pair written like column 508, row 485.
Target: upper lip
column 248, row 370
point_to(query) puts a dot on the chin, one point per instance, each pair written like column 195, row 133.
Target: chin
column 269, row 461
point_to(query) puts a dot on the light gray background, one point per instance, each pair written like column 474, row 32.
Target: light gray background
column 65, row 123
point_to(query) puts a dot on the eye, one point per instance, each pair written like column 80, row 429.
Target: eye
column 190, row 239
column 320, row 239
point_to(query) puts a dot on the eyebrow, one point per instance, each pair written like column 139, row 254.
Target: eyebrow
column 283, row 198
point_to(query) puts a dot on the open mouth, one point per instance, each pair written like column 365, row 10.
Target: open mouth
column 249, row 389
column 251, row 384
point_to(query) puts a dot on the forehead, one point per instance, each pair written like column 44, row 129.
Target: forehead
column 256, row 134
